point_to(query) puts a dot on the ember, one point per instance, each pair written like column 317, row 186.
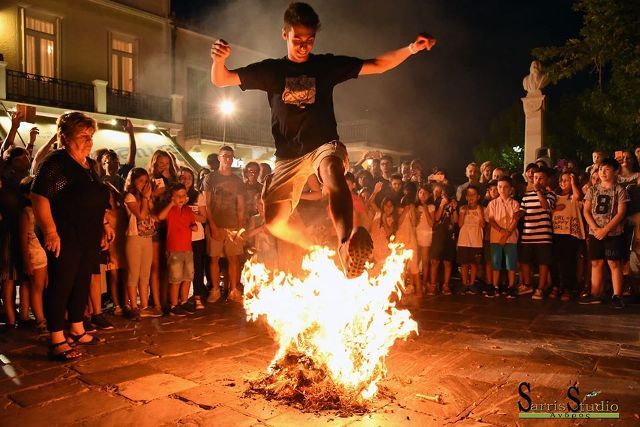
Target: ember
column 333, row 333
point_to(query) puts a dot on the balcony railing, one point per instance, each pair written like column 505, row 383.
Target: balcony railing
column 257, row 132
column 133, row 104
column 35, row 89
column 246, row 132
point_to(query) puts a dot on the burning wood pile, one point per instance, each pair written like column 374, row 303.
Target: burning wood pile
column 333, row 333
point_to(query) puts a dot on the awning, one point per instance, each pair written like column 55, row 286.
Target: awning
column 107, row 136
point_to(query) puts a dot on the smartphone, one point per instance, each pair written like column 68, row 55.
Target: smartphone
column 28, row 112
column 159, row 182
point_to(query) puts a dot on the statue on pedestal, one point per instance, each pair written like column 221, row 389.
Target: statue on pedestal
column 536, row 80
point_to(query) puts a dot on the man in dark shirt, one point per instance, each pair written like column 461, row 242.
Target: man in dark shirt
column 300, row 93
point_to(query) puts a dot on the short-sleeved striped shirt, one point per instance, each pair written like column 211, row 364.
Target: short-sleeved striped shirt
column 537, row 223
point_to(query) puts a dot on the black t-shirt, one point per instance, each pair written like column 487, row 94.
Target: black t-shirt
column 301, row 98
column 77, row 197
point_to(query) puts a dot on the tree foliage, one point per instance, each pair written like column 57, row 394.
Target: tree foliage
column 607, row 47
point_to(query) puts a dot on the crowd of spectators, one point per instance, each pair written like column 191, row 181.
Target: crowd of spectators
column 80, row 232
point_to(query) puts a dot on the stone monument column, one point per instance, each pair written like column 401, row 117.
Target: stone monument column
column 533, row 105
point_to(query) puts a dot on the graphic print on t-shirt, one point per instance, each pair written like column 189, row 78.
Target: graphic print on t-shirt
column 603, row 204
column 299, row 91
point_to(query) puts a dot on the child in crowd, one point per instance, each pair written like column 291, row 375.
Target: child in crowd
column 383, row 226
column 536, row 239
column 568, row 234
column 490, row 194
column 471, row 223
column 597, row 157
column 181, row 222
column 139, row 245
column 360, row 215
column 406, row 235
column 34, row 258
column 503, row 214
column 118, row 219
column 425, row 212
column 604, row 209
column 197, row 203
column 443, row 247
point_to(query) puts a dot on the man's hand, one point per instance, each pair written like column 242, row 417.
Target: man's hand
column 600, row 233
column 423, row 41
column 220, row 50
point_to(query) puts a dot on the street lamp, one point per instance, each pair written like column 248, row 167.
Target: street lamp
column 226, row 108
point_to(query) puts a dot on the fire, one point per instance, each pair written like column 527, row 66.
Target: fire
column 342, row 327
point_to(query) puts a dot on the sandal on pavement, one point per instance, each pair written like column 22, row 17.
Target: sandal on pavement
column 63, row 356
column 76, row 339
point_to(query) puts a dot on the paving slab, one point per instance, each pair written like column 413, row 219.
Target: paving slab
column 172, row 346
column 118, row 375
column 153, row 386
column 66, row 411
column 48, row 393
column 165, row 411
column 54, row 373
column 220, row 416
column 111, row 361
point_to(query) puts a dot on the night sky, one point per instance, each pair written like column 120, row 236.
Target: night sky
column 438, row 104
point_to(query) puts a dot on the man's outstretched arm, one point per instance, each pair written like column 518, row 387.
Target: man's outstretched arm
column 220, row 75
column 389, row 60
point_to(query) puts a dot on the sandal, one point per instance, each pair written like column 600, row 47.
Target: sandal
column 76, row 339
column 64, row 356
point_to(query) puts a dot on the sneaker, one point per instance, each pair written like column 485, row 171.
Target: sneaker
column 470, row 290
column 446, row 290
column 189, row 307
column 156, row 312
column 512, row 293
column 198, row 303
column 88, row 326
column 117, row 310
column 214, row 295
column 566, row 296
column 617, row 302
column 589, row 299
column 554, row 293
column 101, row 322
column 432, row 291
column 524, row 289
column 177, row 310
column 537, row 295
column 491, row 293
column 235, row 296
column 134, row 314
column 355, row 253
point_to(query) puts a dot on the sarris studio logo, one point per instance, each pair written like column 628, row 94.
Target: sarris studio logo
column 573, row 408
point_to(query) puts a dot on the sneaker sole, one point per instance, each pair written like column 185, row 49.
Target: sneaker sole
column 360, row 250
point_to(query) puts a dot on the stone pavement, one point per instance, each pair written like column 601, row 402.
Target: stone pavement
column 471, row 350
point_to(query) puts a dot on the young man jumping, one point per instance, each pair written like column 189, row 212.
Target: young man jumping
column 300, row 91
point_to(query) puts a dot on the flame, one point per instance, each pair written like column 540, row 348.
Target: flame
column 346, row 326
